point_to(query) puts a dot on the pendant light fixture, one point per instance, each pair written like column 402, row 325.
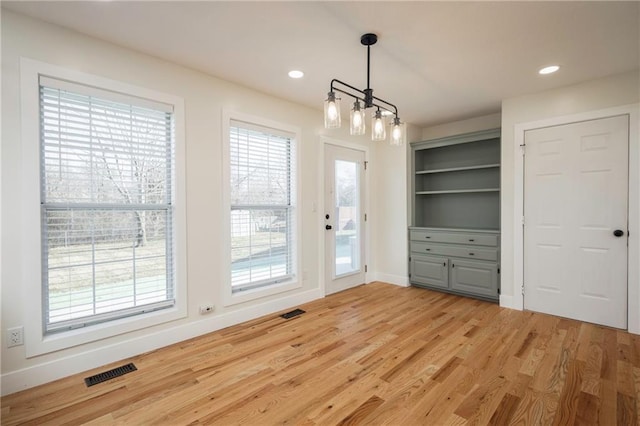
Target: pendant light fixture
column 332, row 112
column 358, row 125
column 398, row 133
column 377, row 126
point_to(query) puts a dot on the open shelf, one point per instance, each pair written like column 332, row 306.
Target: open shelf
column 475, row 210
column 456, row 181
column 454, row 155
column 457, row 191
column 458, row 169
column 477, row 179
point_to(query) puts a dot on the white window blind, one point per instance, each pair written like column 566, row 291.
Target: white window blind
column 107, row 164
column 262, row 177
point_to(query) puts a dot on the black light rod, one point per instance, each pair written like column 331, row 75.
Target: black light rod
column 368, row 65
column 335, row 80
column 395, row 109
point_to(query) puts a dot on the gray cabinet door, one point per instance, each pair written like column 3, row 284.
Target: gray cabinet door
column 474, row 277
column 430, row 270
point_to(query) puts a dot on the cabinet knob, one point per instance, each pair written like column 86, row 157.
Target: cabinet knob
column 471, row 239
column 471, row 254
column 428, row 249
column 453, row 265
column 444, row 263
column 427, row 237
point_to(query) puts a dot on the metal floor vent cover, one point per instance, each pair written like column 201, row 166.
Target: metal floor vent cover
column 111, row 374
column 293, row 313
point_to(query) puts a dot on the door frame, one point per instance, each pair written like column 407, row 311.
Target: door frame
column 322, row 208
column 516, row 301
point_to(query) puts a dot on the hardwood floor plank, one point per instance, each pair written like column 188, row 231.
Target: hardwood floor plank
column 584, row 342
column 519, row 385
column 570, row 396
column 480, row 404
column 507, row 407
column 444, row 371
column 608, row 403
column 609, row 356
column 341, row 403
column 593, row 367
column 625, row 382
column 374, row 354
column 362, row 411
column 588, row 408
column 626, row 410
column 536, row 408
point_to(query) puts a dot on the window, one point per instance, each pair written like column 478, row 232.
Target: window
column 107, row 211
column 262, row 203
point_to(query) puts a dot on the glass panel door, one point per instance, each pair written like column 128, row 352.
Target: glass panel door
column 347, row 217
column 344, row 218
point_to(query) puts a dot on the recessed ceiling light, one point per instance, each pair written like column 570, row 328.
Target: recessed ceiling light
column 296, row 74
column 549, row 70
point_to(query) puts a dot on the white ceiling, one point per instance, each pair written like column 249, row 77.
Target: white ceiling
column 437, row 61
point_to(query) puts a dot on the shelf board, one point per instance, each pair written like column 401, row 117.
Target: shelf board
column 455, row 228
column 457, row 191
column 458, row 169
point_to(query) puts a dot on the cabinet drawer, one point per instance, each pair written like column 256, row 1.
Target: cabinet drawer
column 454, row 238
column 455, row 251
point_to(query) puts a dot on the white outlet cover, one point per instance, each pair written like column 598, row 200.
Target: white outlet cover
column 15, row 337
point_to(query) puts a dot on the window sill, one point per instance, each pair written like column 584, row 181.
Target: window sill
column 43, row 344
column 230, row 299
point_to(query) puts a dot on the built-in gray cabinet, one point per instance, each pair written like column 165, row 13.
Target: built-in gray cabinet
column 455, row 233
column 429, row 270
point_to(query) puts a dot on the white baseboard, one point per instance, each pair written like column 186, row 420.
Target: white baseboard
column 398, row 280
column 26, row 378
column 506, row 301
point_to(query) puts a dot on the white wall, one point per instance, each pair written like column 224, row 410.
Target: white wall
column 390, row 201
column 475, row 124
column 205, row 98
column 594, row 95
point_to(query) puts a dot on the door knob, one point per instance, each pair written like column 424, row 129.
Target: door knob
column 327, row 227
column 618, row 232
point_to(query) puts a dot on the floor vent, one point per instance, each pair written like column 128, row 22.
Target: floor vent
column 111, row 374
column 293, row 313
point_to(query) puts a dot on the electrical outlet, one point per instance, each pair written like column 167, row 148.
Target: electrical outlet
column 206, row 309
column 15, row 337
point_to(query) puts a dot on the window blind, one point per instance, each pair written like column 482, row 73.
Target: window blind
column 107, row 165
column 262, row 178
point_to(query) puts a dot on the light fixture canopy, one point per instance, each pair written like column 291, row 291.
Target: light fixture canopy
column 357, row 126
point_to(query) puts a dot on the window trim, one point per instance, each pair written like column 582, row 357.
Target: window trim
column 228, row 297
column 36, row 341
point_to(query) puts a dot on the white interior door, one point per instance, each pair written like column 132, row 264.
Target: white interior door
column 575, row 232
column 344, row 218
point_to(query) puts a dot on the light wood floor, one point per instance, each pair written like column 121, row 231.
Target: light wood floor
column 371, row 355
